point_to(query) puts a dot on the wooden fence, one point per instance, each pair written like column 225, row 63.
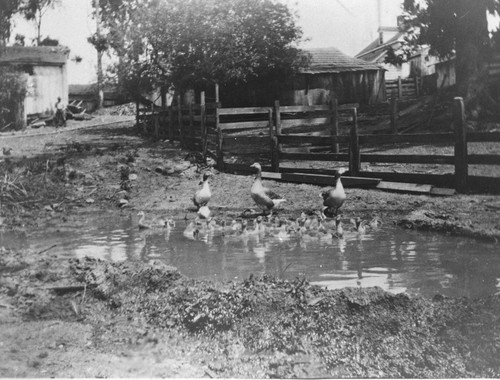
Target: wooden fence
column 403, row 89
column 311, row 133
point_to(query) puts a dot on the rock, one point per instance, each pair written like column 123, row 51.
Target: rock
column 48, row 208
column 122, row 202
column 89, row 200
column 132, row 177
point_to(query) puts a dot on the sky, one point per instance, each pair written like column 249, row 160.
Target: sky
column 348, row 25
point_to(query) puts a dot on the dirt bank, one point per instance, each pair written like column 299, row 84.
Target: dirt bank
column 90, row 319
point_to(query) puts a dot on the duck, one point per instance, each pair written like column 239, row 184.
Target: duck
column 335, row 197
column 203, row 195
column 6, row 151
column 262, row 196
column 155, row 223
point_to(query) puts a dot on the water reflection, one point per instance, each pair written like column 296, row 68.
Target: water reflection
column 394, row 259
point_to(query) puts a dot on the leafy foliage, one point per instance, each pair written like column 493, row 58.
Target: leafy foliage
column 7, row 9
column 12, row 93
column 451, row 28
column 191, row 43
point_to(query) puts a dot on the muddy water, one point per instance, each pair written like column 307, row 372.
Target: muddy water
column 394, row 259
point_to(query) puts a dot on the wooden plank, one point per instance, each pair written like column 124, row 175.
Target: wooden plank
column 409, row 158
column 441, row 180
column 243, row 111
column 484, row 159
column 292, row 109
column 405, row 187
column 483, row 136
column 425, row 138
column 309, row 122
column 321, row 180
column 316, row 140
column 314, row 156
column 442, row 191
column 243, row 125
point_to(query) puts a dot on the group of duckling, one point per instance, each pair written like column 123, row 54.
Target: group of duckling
column 323, row 224
column 304, row 227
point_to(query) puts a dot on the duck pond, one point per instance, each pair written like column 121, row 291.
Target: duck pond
column 390, row 257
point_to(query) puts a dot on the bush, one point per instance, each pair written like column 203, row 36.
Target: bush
column 12, row 94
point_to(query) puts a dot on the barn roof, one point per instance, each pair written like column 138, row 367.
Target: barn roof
column 332, row 60
column 42, row 55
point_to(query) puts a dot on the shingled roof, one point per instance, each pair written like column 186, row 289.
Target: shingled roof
column 44, row 55
column 332, row 60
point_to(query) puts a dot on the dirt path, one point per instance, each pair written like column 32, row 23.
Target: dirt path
column 145, row 320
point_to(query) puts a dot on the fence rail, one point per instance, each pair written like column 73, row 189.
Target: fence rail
column 311, row 133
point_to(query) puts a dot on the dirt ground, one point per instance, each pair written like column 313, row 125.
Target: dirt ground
column 90, row 318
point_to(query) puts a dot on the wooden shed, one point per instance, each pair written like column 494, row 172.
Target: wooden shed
column 334, row 74
column 46, row 74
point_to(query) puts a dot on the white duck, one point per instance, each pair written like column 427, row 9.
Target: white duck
column 334, row 198
column 203, row 195
column 262, row 196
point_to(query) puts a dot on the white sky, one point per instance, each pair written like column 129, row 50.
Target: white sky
column 349, row 25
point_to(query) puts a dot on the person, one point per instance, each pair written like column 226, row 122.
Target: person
column 60, row 117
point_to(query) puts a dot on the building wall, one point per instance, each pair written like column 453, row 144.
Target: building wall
column 44, row 86
column 364, row 87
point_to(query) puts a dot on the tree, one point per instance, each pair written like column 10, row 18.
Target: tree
column 7, row 9
column 192, row 43
column 451, row 27
column 35, row 10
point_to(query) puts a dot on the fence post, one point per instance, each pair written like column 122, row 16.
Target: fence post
column 354, row 155
column 191, row 126
column 203, row 127
column 400, row 88
column 156, row 117
column 216, row 93
column 417, row 89
column 461, row 169
column 275, row 147
column 179, row 119
column 334, row 114
column 394, row 113
column 220, row 157
column 170, row 124
column 137, row 113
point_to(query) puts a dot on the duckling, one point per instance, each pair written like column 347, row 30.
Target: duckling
column 203, row 195
column 203, row 212
column 191, row 231
column 155, row 223
column 359, row 225
column 263, row 197
column 338, row 227
column 376, row 222
column 334, row 198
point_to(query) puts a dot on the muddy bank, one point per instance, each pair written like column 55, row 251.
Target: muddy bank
column 94, row 319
